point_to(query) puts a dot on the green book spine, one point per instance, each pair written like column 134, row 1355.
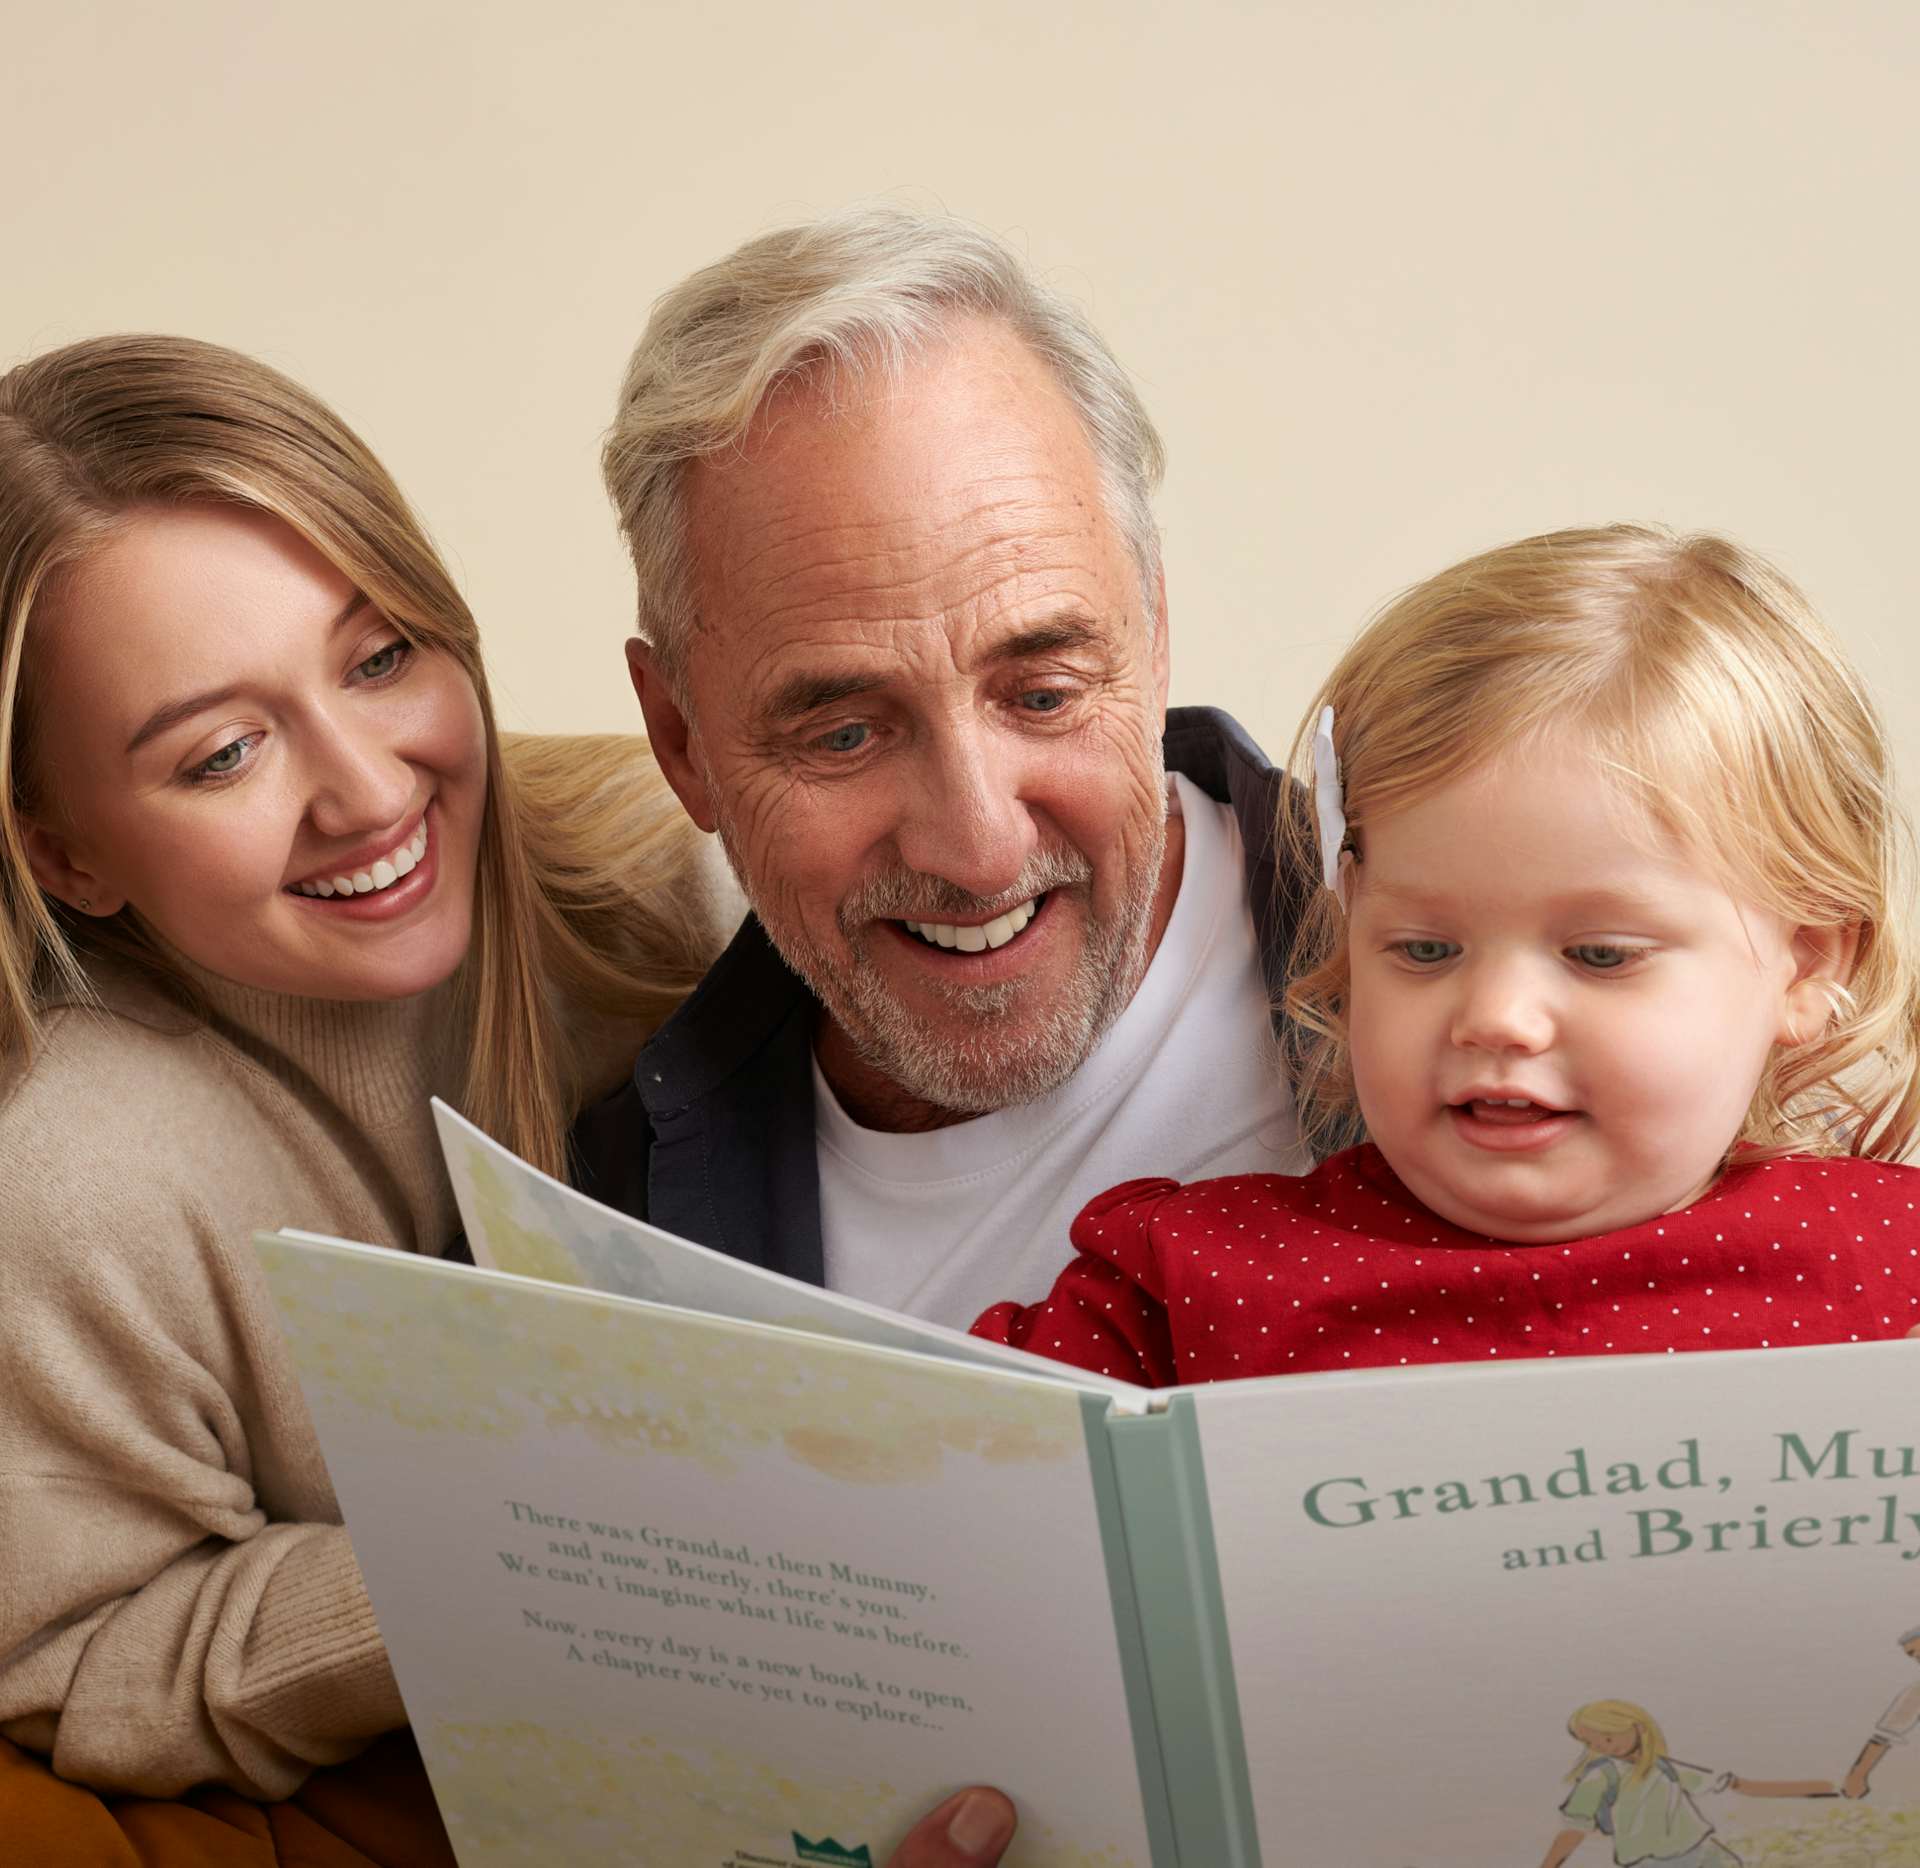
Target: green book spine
column 1094, row 1413
column 1175, row 1578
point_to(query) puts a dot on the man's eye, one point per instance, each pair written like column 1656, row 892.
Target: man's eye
column 1043, row 700
column 1601, row 958
column 1428, row 952
column 848, row 738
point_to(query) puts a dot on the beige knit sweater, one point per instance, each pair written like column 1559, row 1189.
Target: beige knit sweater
column 178, row 1602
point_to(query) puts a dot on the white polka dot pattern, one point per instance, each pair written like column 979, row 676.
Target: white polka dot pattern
column 1268, row 1274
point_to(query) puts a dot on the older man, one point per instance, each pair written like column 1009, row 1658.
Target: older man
column 1016, row 931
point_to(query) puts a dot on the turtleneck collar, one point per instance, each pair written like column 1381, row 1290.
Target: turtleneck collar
column 365, row 1069
column 377, row 1060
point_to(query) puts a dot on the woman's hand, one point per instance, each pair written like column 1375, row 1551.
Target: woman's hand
column 970, row 1830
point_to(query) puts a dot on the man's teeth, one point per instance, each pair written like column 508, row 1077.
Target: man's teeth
column 382, row 874
column 975, row 939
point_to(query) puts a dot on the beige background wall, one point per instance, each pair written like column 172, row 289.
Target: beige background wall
column 1398, row 280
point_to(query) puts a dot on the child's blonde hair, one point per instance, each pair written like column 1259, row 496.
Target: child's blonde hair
column 1703, row 682
column 1609, row 1718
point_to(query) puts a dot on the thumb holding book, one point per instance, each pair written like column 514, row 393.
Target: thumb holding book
column 970, row 1830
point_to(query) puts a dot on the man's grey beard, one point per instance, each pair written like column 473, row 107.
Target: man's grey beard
column 1011, row 1050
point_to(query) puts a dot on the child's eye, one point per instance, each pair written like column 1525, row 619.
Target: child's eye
column 1599, row 957
column 1426, row 952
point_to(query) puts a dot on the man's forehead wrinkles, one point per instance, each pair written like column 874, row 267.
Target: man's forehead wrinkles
column 796, row 529
column 839, row 556
column 975, row 631
column 842, row 580
column 1007, row 592
column 1025, row 505
column 910, row 561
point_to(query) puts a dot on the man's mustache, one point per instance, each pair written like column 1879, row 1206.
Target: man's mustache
column 909, row 895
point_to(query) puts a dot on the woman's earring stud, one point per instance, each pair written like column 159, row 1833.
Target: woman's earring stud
column 86, row 907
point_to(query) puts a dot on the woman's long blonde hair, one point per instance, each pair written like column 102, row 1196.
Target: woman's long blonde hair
column 1701, row 680
column 98, row 429
column 1611, row 1717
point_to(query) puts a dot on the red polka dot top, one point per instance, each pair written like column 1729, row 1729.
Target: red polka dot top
column 1274, row 1274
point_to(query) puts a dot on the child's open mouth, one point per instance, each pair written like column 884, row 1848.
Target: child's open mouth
column 1509, row 1122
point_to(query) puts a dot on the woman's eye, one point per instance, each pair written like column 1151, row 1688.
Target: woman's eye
column 228, row 760
column 383, row 662
column 848, row 738
column 1601, row 958
column 1428, row 952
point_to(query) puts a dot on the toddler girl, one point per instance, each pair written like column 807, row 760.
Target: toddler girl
column 1611, row 961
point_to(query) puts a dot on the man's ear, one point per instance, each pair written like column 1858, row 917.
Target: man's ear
column 65, row 875
column 669, row 733
column 1824, row 960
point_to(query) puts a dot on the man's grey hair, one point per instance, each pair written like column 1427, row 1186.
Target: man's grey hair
column 859, row 290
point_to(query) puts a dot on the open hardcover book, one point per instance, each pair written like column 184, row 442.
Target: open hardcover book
column 687, row 1565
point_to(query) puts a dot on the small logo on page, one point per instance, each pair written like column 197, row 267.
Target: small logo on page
column 829, row 1851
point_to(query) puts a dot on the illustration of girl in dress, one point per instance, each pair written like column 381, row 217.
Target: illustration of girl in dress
column 1626, row 1786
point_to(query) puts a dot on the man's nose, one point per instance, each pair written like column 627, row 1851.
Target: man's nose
column 967, row 821
column 358, row 782
column 1505, row 1004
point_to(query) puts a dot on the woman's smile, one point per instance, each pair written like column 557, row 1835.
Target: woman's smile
column 351, row 878
column 397, row 883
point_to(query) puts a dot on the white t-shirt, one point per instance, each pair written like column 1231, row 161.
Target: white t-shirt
column 1185, row 1083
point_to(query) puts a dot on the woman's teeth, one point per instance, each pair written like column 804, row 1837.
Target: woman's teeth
column 975, row 939
column 376, row 876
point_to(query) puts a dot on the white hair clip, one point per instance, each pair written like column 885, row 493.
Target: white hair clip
column 1330, row 807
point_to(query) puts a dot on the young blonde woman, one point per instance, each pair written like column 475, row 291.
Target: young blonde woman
column 268, row 879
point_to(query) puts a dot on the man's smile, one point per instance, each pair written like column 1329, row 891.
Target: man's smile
column 1015, row 945
column 968, row 937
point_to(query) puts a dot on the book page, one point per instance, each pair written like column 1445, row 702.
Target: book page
column 1427, row 1575
column 520, row 1220
column 662, row 1588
